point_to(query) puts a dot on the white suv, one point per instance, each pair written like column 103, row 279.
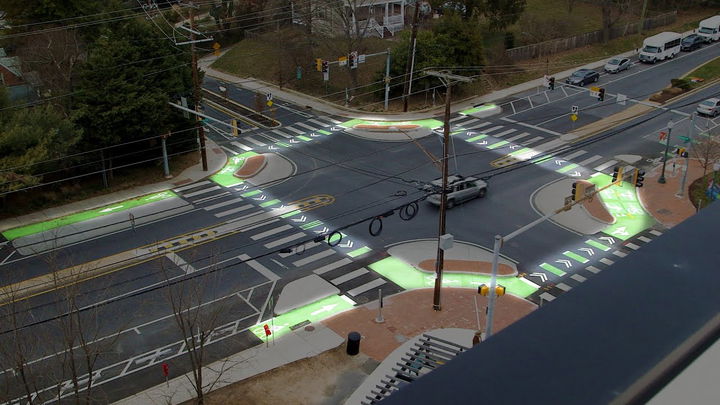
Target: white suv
column 461, row 189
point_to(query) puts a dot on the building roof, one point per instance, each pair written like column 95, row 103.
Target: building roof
column 10, row 63
column 617, row 338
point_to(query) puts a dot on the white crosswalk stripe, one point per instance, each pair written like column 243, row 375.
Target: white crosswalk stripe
column 503, row 133
column 297, row 131
column 549, row 145
column 656, row 233
column 547, row 297
column 253, row 140
column 644, row 239
column 210, row 198
column 520, row 136
column 300, row 124
column 590, row 160
column 480, row 125
column 302, row 249
column 271, row 232
column 203, row 191
column 284, row 240
column 233, row 211
column 332, row 266
column 531, row 141
column 318, row 123
column 463, row 124
column 574, row 155
column 189, row 186
column 459, row 117
column 366, row 287
column 241, row 146
column 495, row 128
column 271, row 138
column 328, row 119
column 223, row 204
column 604, row 165
column 349, row 276
column 281, row 133
column 315, row 257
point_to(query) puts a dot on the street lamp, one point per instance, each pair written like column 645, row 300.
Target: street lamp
column 670, row 126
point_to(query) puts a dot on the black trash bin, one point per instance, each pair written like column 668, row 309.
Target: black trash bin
column 353, row 344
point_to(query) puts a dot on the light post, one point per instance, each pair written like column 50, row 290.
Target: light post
column 681, row 190
column 670, row 126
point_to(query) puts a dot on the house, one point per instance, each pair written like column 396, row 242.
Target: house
column 380, row 18
column 11, row 76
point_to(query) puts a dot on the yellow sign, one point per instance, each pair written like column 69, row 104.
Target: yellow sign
column 595, row 88
column 573, row 117
column 216, row 46
column 269, row 103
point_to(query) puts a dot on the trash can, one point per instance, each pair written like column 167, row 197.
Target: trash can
column 353, row 344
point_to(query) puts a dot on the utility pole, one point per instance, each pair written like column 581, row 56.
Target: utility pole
column 439, row 262
column 196, row 89
column 681, row 190
column 387, row 80
column 411, row 59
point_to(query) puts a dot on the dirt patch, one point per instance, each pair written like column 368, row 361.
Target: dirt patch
column 328, row 378
column 470, row 266
column 666, row 94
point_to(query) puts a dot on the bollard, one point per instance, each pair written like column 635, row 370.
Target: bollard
column 353, row 344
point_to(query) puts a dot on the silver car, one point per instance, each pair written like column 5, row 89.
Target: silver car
column 709, row 107
column 616, row 65
column 461, row 189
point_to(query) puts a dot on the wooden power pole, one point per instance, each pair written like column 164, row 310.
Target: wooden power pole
column 409, row 65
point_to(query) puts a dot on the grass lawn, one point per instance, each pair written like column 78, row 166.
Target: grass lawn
column 697, row 191
column 708, row 71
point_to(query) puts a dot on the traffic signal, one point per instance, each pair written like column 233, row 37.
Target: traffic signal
column 318, row 64
column 573, row 193
column 325, row 66
column 267, row 330
column 617, row 174
column 352, row 60
column 551, row 83
column 499, row 290
column 638, row 177
column 681, row 152
column 483, row 289
column 601, row 94
column 578, row 191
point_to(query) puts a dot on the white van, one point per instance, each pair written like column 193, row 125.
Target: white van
column 664, row 45
column 709, row 28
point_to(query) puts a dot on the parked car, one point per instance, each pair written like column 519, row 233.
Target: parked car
column 709, row 107
column 691, row 42
column 461, row 189
column 616, row 65
column 583, row 77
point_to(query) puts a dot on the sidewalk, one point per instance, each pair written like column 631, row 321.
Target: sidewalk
column 216, row 160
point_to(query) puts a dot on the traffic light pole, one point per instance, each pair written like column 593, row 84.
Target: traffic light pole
column 681, row 190
column 661, row 179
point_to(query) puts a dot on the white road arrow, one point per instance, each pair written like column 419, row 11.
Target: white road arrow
column 347, row 244
column 559, row 162
column 245, row 187
column 109, row 209
column 565, row 262
column 293, row 140
column 336, row 129
column 470, row 133
column 607, row 239
column 542, row 276
column 314, row 135
column 482, row 143
column 621, row 231
column 325, row 308
column 301, row 219
column 325, row 229
column 575, row 174
column 588, row 251
column 272, row 147
column 261, row 198
column 514, row 146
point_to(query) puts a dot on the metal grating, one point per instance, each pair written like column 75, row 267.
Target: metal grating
column 424, row 356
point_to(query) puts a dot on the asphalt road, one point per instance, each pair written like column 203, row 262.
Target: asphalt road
column 134, row 327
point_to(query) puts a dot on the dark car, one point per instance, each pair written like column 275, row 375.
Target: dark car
column 583, row 77
column 691, row 42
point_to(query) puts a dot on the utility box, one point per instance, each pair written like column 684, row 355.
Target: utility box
column 446, row 241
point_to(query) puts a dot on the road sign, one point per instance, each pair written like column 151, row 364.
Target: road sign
column 361, row 58
column 269, row 96
column 216, row 46
column 663, row 134
column 342, row 61
column 594, row 91
column 574, row 109
column 165, row 369
column 594, row 88
column 621, row 99
column 269, row 103
column 573, row 117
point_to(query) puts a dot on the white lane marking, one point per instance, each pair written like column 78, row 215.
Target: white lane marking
column 480, row 125
column 578, row 278
column 223, row 204
column 592, row 269
column 606, row 261
column 281, row 133
column 589, row 160
column 619, row 253
column 189, row 186
column 466, row 123
column 300, row 124
column 318, row 123
column 272, row 221
column 349, row 276
column 332, row 266
column 644, row 239
column 656, row 233
column 259, row 267
column 548, row 145
column 184, row 266
column 516, row 137
column 633, row 246
column 574, row 155
column 285, row 240
column 503, row 133
column 604, row 166
column 551, row 132
column 297, row 131
column 563, row 287
column 203, row 191
column 547, row 297
column 315, row 257
column 210, row 198
column 241, row 146
column 300, row 250
column 459, row 117
column 328, row 119
column 253, row 140
column 233, row 211
column 495, row 128
column 533, row 140
column 271, row 232
column 366, row 287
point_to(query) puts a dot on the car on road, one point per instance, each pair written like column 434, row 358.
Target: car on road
column 460, row 190
column 709, row 107
column 616, row 65
column 583, row 77
column 691, row 42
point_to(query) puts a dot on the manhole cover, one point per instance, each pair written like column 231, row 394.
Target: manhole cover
column 309, row 328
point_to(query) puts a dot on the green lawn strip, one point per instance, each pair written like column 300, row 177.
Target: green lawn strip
column 314, row 312
column 408, row 277
column 226, row 176
column 476, row 138
column 567, row 168
column 708, row 71
column 598, row 245
column 478, row 109
column 498, row 144
column 575, row 257
column 552, row 269
column 622, row 203
column 38, row 227
column 428, row 123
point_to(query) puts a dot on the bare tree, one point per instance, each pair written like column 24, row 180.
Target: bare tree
column 707, row 153
column 355, row 21
column 612, row 10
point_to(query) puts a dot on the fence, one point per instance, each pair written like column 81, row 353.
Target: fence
column 563, row 44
